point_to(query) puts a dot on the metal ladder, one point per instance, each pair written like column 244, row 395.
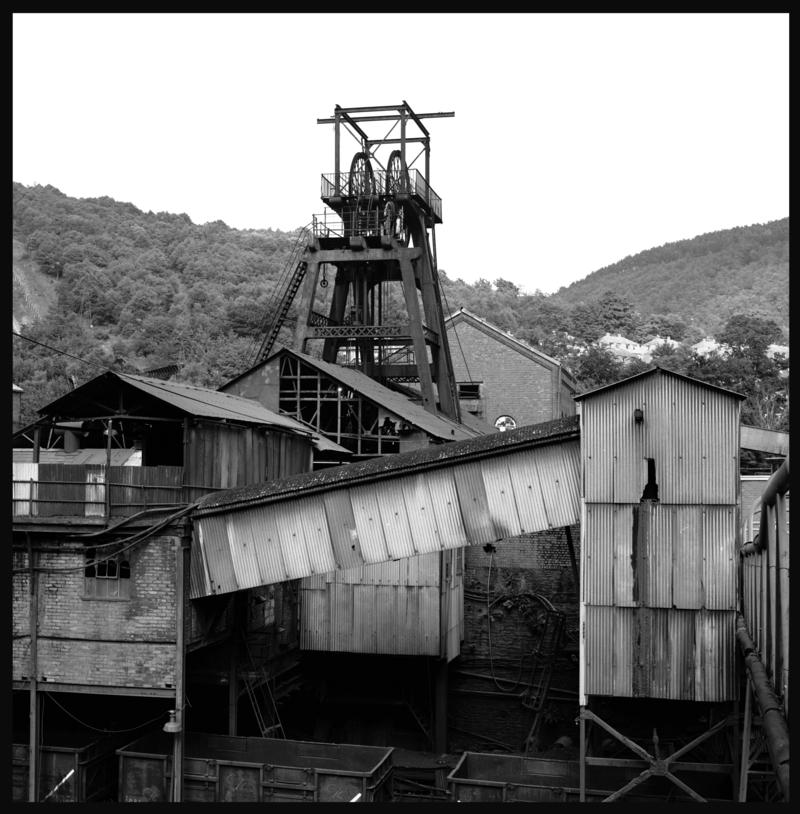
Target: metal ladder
column 544, row 655
column 256, row 685
column 289, row 283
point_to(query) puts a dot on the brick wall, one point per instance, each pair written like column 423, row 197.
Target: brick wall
column 499, row 639
column 513, row 384
column 121, row 642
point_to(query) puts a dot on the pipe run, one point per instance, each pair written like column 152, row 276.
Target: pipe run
column 778, row 484
column 773, row 721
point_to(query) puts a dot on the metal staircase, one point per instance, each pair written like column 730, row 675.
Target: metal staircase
column 288, row 285
column 257, row 686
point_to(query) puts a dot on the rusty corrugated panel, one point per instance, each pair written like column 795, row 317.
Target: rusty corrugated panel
column 313, row 615
column 597, row 553
column 394, row 517
column 597, row 440
column 390, row 636
column 660, row 654
column 447, row 510
column 719, row 557
column 618, row 519
column 500, row 498
column 25, row 477
column 342, row 614
column 473, row 503
column 715, row 665
column 559, row 477
column 364, row 630
column 368, row 523
column 311, row 513
column 599, row 651
column 659, row 552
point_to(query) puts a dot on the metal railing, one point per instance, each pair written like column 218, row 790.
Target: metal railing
column 334, row 184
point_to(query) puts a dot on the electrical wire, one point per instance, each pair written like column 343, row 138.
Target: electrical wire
column 75, row 718
column 489, row 630
column 63, row 352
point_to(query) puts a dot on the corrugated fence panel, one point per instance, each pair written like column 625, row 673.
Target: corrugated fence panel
column 660, row 654
column 313, row 615
column 368, row 523
column 292, row 541
column 473, row 502
column 390, row 637
column 311, row 512
column 500, row 497
column 719, row 557
column 659, row 555
column 342, row 529
column 342, row 612
column 715, row 637
column 396, row 528
column 445, row 497
column 619, row 521
column 364, row 630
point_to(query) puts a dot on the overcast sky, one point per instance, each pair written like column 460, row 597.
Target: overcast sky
column 578, row 139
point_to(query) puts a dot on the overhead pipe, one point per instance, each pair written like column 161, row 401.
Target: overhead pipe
column 773, row 721
column 778, row 484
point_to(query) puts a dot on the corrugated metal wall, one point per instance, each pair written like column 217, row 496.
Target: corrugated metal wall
column 658, row 578
column 382, row 520
column 690, row 431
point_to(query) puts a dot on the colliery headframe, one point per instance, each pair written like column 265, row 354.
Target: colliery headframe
column 363, row 571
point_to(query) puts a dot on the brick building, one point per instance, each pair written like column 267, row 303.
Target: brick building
column 498, row 375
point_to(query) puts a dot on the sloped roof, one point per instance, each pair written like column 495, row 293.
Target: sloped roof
column 192, row 400
column 465, row 315
column 653, row 371
column 119, row 457
column 439, row 426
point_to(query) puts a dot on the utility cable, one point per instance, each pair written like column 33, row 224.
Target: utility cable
column 75, row 718
column 489, row 628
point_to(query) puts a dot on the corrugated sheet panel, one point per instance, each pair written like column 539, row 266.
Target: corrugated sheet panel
column 597, row 554
column 690, row 431
column 660, row 653
column 368, row 524
column 23, row 488
column 119, row 457
column 446, row 508
column 719, row 557
column 473, row 502
column 217, row 552
column 394, row 518
column 500, row 497
column 684, row 556
column 599, row 651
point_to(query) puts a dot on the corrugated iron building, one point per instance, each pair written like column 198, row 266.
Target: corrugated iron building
column 659, row 535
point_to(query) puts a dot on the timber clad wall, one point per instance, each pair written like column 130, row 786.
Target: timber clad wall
column 94, row 642
column 513, row 384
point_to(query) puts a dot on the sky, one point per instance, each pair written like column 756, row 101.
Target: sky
column 578, row 139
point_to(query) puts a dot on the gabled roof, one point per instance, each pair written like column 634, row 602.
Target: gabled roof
column 437, row 425
column 188, row 399
column 653, row 371
column 467, row 316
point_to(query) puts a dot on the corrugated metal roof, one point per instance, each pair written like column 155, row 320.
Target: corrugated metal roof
column 202, row 402
column 439, row 426
column 558, row 431
column 378, row 517
column 656, row 370
column 119, row 457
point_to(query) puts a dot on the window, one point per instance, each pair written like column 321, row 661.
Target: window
column 469, row 390
column 106, row 576
column 505, row 422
